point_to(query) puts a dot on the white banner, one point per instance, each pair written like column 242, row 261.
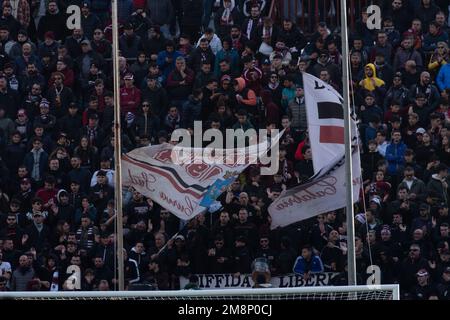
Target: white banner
column 325, row 121
column 322, row 193
column 229, row 281
column 179, row 178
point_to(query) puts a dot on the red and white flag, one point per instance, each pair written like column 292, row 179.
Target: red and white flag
column 325, row 121
column 180, row 185
column 325, row 190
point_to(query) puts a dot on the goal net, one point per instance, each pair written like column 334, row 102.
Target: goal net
column 379, row 292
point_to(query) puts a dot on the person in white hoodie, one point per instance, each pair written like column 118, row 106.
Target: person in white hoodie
column 214, row 41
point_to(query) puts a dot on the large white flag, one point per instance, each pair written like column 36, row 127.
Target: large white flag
column 325, row 121
column 186, row 185
column 324, row 192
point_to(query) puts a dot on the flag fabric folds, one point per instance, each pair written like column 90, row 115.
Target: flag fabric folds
column 325, row 120
column 325, row 190
column 185, row 187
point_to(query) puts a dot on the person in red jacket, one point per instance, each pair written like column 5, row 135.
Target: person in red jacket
column 48, row 193
column 130, row 96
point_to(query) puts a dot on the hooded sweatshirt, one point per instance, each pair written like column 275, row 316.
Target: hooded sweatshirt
column 248, row 95
column 367, row 84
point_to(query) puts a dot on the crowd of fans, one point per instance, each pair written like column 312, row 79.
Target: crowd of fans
column 230, row 65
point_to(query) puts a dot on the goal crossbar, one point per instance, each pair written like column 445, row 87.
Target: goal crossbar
column 373, row 292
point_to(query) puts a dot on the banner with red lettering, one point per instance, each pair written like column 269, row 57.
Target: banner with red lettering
column 179, row 183
column 324, row 192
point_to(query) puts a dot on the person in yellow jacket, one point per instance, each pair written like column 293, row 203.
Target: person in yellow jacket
column 371, row 83
column 439, row 57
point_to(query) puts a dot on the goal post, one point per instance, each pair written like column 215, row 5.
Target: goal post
column 373, row 292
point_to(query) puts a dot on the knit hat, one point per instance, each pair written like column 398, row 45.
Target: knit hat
column 44, row 103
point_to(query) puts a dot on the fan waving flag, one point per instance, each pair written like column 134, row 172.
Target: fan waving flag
column 325, row 120
column 187, row 187
column 325, row 190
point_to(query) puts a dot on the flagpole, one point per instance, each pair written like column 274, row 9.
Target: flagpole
column 117, row 145
column 351, row 262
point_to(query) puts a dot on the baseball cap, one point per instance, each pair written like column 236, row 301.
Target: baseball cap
column 376, row 200
column 85, row 42
column 420, row 131
column 424, row 206
column 44, row 103
column 422, row 273
column 128, row 76
column 179, row 237
column 447, row 270
column 25, row 181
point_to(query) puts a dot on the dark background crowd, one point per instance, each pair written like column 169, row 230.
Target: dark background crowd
column 232, row 64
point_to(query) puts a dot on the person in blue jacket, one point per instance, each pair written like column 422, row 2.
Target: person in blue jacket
column 395, row 153
column 443, row 77
column 308, row 262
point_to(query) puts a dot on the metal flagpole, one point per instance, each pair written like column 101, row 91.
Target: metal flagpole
column 117, row 145
column 351, row 262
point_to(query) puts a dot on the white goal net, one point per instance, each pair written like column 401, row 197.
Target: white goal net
column 380, row 292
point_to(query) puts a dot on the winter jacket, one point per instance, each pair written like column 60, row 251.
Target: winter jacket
column 55, row 23
column 395, row 156
column 157, row 98
column 232, row 55
column 164, row 66
column 436, row 188
column 297, row 113
column 130, row 46
column 20, row 278
column 89, row 24
column 417, row 187
column 192, row 12
column 146, row 125
column 160, row 11
column 301, row 266
column 130, row 99
column 443, row 77
column 402, row 55
column 430, row 41
column 179, row 91
column 29, row 163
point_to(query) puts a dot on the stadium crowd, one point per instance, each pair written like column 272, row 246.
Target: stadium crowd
column 235, row 67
